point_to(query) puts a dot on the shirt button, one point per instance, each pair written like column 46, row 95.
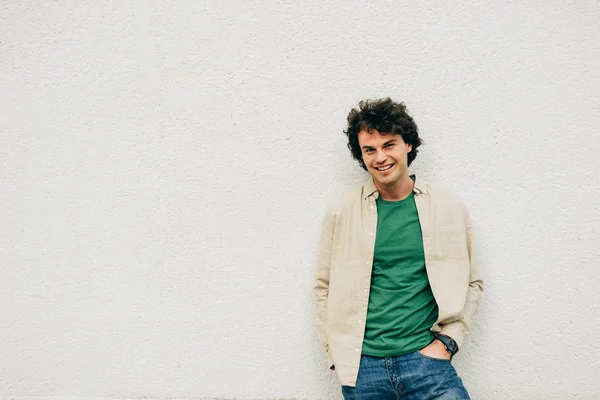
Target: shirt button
column 365, row 290
column 356, row 350
column 370, row 233
column 360, row 321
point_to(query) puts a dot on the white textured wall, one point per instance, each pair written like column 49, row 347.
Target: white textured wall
column 164, row 170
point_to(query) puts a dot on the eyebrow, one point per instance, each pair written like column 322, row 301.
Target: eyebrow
column 388, row 142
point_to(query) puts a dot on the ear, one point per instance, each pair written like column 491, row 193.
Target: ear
column 409, row 147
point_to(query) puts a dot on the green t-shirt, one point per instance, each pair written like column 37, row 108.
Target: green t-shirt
column 402, row 309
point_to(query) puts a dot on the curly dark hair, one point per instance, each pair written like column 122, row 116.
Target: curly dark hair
column 385, row 116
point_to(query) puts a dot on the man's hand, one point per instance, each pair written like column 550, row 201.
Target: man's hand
column 436, row 349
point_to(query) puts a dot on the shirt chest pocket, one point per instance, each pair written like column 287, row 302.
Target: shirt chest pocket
column 452, row 241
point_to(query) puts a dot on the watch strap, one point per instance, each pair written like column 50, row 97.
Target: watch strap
column 449, row 343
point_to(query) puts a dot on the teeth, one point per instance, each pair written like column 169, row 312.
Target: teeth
column 383, row 168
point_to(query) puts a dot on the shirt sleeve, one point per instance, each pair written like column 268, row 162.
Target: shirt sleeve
column 321, row 286
column 457, row 330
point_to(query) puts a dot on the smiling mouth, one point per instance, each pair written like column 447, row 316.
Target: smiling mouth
column 384, row 167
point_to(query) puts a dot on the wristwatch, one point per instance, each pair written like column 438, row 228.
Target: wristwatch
column 449, row 343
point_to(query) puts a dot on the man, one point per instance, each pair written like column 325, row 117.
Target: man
column 397, row 284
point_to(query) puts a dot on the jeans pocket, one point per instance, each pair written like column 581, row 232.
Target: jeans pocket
column 433, row 358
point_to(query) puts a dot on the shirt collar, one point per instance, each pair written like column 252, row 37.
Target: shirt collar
column 369, row 188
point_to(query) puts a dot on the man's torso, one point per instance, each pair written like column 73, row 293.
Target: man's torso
column 353, row 219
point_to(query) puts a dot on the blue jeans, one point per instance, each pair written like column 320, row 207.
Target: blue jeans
column 410, row 377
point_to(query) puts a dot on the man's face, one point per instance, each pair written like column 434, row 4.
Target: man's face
column 385, row 156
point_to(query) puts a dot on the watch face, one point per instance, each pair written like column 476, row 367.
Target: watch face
column 449, row 343
column 452, row 346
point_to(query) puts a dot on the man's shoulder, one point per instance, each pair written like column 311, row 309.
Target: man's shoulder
column 439, row 192
column 444, row 198
column 350, row 199
column 346, row 200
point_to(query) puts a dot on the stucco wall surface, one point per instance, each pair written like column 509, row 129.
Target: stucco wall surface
column 165, row 167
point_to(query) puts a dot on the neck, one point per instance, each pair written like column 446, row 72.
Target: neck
column 397, row 191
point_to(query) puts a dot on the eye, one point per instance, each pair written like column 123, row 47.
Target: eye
column 389, row 145
column 368, row 151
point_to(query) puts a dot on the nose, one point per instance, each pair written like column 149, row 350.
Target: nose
column 381, row 156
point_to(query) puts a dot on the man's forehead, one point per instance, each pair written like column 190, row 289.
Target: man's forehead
column 374, row 134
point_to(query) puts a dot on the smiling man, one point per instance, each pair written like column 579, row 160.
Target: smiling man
column 397, row 284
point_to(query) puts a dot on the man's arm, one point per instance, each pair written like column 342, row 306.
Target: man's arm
column 322, row 280
column 457, row 330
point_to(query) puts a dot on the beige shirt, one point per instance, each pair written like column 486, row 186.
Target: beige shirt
column 343, row 274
